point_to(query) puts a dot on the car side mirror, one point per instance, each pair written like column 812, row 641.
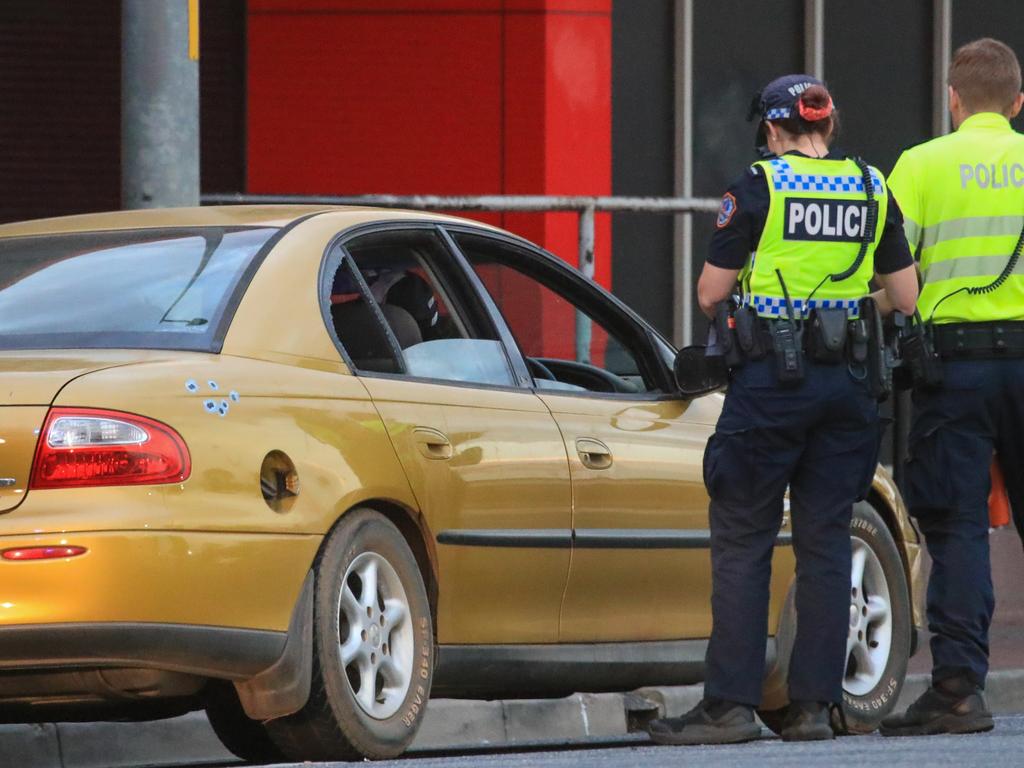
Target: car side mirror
column 698, row 373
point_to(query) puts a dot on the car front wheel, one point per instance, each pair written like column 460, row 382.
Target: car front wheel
column 878, row 642
column 373, row 648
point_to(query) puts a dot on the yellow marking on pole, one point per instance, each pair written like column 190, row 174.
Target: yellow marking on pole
column 193, row 30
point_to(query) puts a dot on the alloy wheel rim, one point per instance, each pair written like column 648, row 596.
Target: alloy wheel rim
column 375, row 637
column 869, row 641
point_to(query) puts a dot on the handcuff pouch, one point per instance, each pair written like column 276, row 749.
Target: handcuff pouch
column 826, row 341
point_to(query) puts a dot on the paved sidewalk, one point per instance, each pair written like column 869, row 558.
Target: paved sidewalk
column 449, row 724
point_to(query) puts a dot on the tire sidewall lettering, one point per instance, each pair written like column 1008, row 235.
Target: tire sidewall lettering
column 877, row 702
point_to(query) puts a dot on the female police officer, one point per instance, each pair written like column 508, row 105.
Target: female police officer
column 799, row 231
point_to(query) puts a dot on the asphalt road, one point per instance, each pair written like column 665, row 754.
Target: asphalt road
column 1003, row 746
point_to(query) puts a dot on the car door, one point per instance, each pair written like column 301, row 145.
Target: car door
column 483, row 454
column 640, row 567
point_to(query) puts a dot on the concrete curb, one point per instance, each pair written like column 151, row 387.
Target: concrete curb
column 448, row 724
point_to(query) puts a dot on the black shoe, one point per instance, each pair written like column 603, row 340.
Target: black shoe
column 710, row 722
column 950, row 706
column 807, row 721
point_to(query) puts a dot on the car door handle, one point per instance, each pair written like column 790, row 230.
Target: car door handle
column 432, row 444
column 593, row 453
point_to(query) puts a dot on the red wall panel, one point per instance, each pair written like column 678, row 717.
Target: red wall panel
column 373, row 102
column 436, row 96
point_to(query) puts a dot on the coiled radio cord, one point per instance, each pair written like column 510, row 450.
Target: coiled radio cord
column 867, row 235
column 980, row 290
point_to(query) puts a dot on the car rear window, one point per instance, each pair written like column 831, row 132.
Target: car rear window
column 141, row 289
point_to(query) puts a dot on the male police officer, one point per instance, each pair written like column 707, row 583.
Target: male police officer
column 962, row 196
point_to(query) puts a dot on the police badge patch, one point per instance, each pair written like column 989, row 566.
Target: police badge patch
column 726, row 211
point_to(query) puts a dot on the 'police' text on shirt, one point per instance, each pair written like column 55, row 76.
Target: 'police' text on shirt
column 992, row 175
column 824, row 220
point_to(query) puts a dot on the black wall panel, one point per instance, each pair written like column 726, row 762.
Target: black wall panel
column 60, row 107
column 739, row 47
column 60, row 104
column 642, row 154
column 1001, row 19
column 878, row 63
column 222, row 91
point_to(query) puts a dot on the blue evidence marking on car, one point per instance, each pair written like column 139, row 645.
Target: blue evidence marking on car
column 210, row 405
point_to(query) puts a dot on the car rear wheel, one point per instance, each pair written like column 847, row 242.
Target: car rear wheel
column 878, row 643
column 373, row 648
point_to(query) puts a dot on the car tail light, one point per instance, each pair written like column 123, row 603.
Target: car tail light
column 81, row 447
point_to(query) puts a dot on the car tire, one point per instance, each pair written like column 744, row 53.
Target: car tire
column 373, row 648
column 878, row 646
column 243, row 736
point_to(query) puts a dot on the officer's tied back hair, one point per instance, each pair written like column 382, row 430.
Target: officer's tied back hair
column 815, row 103
column 986, row 75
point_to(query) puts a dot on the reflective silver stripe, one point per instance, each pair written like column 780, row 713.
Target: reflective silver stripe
column 969, row 266
column 912, row 230
column 975, row 226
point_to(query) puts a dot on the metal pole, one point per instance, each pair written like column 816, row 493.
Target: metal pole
column 682, row 257
column 519, row 203
column 160, row 103
column 942, row 43
column 586, row 266
column 814, row 38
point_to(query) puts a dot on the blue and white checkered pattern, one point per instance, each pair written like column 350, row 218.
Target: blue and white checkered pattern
column 773, row 306
column 785, row 180
column 779, row 113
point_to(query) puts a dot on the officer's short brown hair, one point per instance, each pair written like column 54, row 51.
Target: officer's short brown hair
column 986, row 75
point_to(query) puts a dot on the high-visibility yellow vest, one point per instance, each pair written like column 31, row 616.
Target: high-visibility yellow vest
column 962, row 197
column 816, row 219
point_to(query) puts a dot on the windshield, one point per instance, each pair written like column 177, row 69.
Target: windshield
column 146, row 289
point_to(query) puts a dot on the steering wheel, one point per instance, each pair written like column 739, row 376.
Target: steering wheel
column 588, row 376
column 538, row 370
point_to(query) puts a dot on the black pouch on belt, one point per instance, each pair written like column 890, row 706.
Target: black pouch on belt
column 748, row 333
column 826, row 341
column 877, row 361
column 918, row 352
column 725, row 328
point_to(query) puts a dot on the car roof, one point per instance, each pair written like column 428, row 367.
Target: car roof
column 217, row 216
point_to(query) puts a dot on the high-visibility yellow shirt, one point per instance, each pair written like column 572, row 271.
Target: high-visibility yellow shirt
column 962, row 197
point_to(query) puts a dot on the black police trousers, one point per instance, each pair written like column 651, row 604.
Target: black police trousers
column 980, row 408
column 820, row 439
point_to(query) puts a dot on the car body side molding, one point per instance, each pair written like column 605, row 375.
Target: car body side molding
column 529, row 538
column 586, row 538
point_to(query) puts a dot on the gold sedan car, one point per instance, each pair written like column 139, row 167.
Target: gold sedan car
column 305, row 468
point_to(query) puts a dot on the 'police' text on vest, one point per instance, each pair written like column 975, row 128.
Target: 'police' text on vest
column 824, row 220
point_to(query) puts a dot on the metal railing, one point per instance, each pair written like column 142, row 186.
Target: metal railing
column 584, row 207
